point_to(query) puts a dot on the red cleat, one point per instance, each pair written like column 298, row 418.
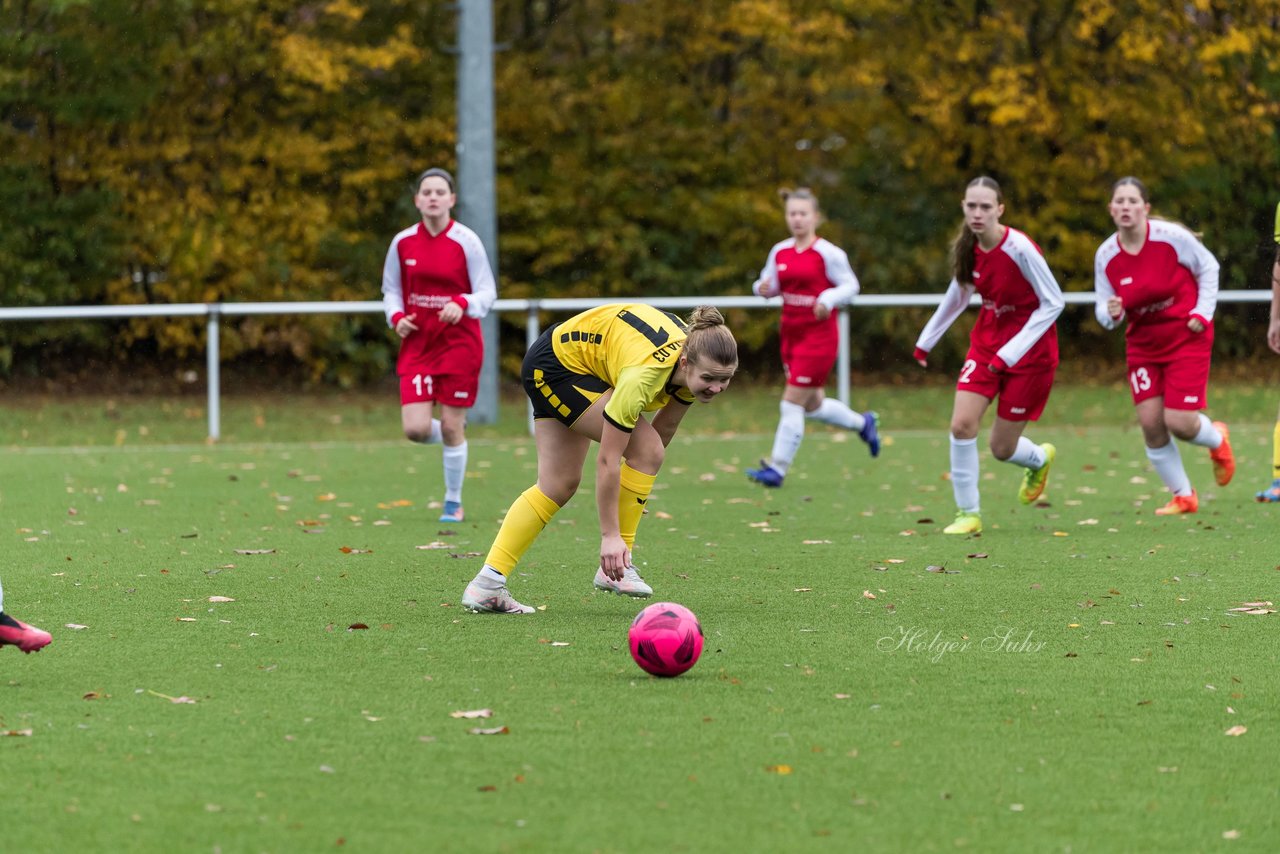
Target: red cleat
column 1224, row 461
column 1180, row 504
column 17, row 633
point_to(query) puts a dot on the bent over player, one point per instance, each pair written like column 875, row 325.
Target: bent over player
column 594, row 378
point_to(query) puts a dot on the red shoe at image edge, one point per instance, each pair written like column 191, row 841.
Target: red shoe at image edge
column 26, row 638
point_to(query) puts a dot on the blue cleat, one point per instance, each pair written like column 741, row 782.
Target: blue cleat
column 766, row 475
column 870, row 432
column 452, row 512
column 1271, row 494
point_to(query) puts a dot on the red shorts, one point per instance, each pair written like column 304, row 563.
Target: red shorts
column 807, row 367
column 446, row 389
column 1183, row 383
column 1022, row 395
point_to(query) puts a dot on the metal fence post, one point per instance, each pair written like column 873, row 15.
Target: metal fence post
column 842, row 362
column 213, row 360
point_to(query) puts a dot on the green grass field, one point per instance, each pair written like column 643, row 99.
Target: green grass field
column 1064, row 682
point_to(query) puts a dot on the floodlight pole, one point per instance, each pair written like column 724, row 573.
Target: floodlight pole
column 476, row 185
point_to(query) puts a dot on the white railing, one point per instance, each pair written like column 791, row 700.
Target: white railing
column 214, row 311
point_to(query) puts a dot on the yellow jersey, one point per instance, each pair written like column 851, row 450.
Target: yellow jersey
column 634, row 348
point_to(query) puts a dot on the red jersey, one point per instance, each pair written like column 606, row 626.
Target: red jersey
column 1021, row 300
column 1171, row 279
column 423, row 273
column 820, row 273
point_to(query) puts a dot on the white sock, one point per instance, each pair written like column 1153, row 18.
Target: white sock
column 786, row 442
column 837, row 414
column 436, row 436
column 455, row 471
column 964, row 473
column 1168, row 464
column 1208, row 437
column 489, row 578
column 1028, row 454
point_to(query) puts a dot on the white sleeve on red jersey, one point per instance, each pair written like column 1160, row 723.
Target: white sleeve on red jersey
column 769, row 275
column 392, row 287
column 1193, row 255
column 844, row 284
column 1037, row 273
column 1102, row 289
column 484, row 290
column 954, row 302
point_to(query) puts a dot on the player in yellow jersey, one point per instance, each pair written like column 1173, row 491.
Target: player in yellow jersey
column 1271, row 494
column 594, row 378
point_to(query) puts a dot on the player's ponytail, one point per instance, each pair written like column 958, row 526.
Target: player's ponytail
column 965, row 240
column 709, row 338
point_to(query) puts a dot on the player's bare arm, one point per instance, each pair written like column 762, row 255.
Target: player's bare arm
column 614, row 554
column 667, row 420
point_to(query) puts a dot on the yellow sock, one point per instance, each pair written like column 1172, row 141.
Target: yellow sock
column 633, row 491
column 528, row 515
column 1275, row 453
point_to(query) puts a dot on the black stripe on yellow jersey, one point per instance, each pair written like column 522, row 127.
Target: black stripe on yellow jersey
column 631, row 348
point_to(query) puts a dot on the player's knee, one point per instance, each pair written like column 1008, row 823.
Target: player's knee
column 646, row 456
column 561, row 489
column 453, row 434
column 964, row 430
column 1003, row 450
column 415, row 433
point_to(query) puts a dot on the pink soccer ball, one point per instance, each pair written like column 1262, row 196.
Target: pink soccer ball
column 666, row 639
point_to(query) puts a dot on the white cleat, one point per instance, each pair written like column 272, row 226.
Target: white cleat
column 631, row 584
column 499, row 601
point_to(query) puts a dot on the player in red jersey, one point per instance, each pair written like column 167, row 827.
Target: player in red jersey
column 1271, row 494
column 17, row 633
column 813, row 276
column 1013, row 348
column 436, row 285
column 1159, row 277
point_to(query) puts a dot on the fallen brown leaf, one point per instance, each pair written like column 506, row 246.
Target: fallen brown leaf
column 1236, row 730
column 494, row 731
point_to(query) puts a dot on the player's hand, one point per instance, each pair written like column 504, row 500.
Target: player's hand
column 1115, row 308
column 768, row 289
column 614, row 556
column 1195, row 325
column 406, row 326
column 1273, row 336
column 451, row 313
column 921, row 357
column 820, row 311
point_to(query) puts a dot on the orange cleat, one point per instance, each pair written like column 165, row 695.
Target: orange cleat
column 1180, row 504
column 1224, row 461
